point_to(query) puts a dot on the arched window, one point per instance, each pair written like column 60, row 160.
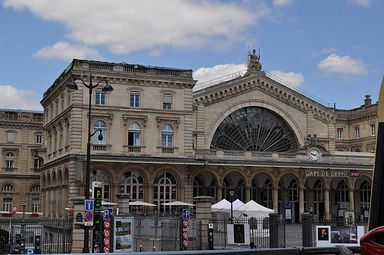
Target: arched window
column 266, row 194
column 341, row 195
column 197, row 187
column 132, row 184
column 99, row 125
column 9, row 160
column 35, row 189
column 293, row 191
column 365, row 194
column 8, row 188
column 164, row 190
column 167, row 136
column 134, row 134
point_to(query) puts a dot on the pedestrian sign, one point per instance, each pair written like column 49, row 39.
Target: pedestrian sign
column 89, row 205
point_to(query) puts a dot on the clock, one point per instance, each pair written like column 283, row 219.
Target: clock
column 314, row 154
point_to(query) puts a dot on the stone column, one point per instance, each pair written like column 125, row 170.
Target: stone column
column 301, row 202
column 351, row 199
column 276, row 199
column 123, row 201
column 204, row 214
column 78, row 232
column 326, row 204
column 247, row 193
column 219, row 192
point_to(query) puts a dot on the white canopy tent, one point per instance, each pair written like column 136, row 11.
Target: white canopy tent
column 178, row 203
column 253, row 209
column 225, row 206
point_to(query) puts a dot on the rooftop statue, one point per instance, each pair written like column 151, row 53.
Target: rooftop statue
column 254, row 64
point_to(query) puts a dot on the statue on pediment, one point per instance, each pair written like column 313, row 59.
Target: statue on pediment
column 254, row 64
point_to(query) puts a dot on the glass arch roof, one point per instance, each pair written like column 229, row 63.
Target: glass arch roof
column 254, row 129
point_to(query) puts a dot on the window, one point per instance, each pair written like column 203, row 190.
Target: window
column 167, row 101
column 99, row 125
column 100, row 97
column 38, row 162
column 134, row 99
column 35, row 189
column 167, row 136
column 7, row 204
column 165, row 190
column 357, row 132
column 35, row 205
column 340, row 133
column 365, row 195
column 39, row 139
column 132, row 184
column 11, row 136
column 373, row 129
column 134, row 133
column 8, row 188
column 9, row 160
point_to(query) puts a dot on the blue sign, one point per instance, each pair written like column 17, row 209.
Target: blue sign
column 185, row 214
column 107, row 214
column 89, row 205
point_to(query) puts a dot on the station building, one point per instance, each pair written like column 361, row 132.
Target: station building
column 164, row 140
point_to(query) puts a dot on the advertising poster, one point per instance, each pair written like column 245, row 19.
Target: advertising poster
column 123, row 237
column 338, row 235
column 238, row 233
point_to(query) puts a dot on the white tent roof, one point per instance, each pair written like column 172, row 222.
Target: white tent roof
column 253, row 209
column 178, row 203
column 225, row 206
column 141, row 203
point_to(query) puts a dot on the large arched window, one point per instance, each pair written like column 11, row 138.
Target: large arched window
column 164, row 190
column 266, row 194
column 167, row 136
column 99, row 125
column 35, row 201
column 132, row 184
column 254, row 129
column 134, row 135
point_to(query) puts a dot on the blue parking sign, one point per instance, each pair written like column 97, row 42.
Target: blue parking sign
column 185, row 214
column 107, row 214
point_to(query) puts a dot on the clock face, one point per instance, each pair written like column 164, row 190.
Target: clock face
column 314, row 154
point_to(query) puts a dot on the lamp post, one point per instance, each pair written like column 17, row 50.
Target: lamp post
column 231, row 194
column 107, row 88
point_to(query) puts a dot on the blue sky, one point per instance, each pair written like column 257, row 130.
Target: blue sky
column 331, row 49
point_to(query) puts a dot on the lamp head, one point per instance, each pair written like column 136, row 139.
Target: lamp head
column 107, row 88
column 100, row 136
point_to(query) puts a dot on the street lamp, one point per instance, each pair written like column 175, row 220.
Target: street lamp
column 107, row 88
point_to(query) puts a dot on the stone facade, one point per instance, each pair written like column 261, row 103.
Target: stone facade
column 163, row 141
column 21, row 142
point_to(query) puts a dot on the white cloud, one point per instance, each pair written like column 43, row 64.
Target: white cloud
column 291, row 79
column 325, row 51
column 342, row 65
column 13, row 98
column 124, row 26
column 363, row 3
column 67, row 52
column 219, row 73
column 280, row 3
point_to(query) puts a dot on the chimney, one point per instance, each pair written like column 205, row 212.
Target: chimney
column 367, row 101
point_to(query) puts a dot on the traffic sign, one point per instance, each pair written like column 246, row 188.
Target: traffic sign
column 89, row 205
column 88, row 218
column 107, row 233
column 185, row 243
column 185, row 223
column 106, row 249
column 108, row 212
column 185, row 214
column 107, row 224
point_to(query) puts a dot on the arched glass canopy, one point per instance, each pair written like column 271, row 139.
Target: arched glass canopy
column 254, row 129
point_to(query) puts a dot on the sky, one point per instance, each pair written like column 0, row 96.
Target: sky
column 330, row 50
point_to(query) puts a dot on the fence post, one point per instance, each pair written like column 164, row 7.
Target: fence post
column 307, row 230
column 273, row 230
column 204, row 214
